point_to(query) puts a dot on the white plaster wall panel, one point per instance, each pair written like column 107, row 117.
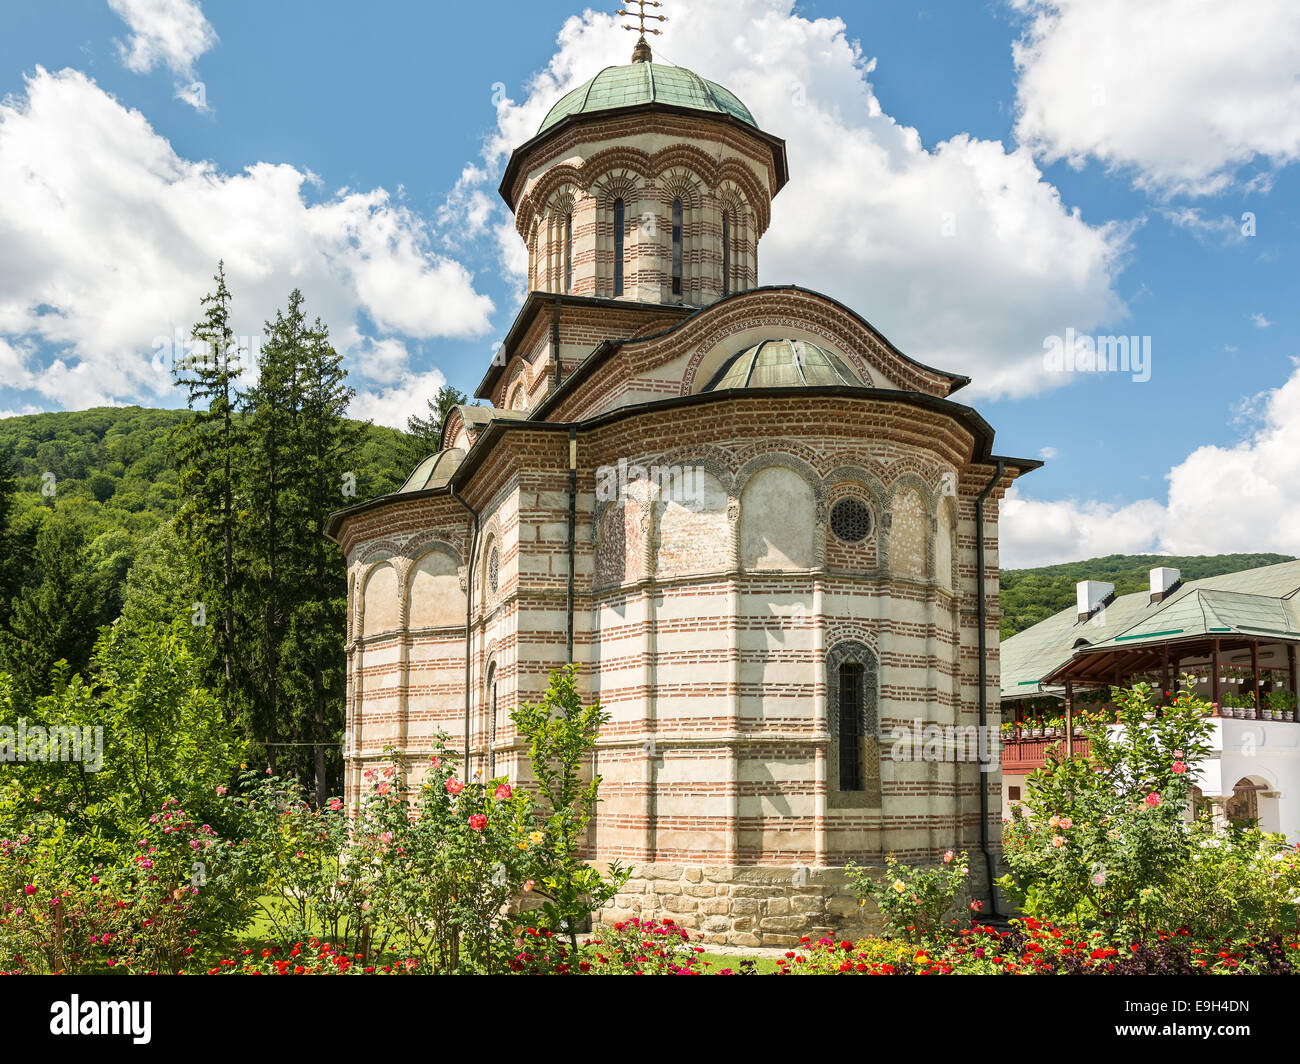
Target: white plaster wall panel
column 693, row 534
column 908, row 535
column 436, row 596
column 776, row 521
column 380, row 612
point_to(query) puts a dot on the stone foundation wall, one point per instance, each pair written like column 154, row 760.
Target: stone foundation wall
column 745, row 906
column 755, row 906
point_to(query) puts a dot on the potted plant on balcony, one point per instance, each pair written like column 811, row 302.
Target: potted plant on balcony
column 1036, row 727
column 1008, row 731
column 1056, row 727
column 1281, row 705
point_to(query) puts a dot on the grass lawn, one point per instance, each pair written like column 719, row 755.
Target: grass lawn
column 717, row 961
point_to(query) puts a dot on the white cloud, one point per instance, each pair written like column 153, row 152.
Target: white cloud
column 392, row 404
column 962, row 253
column 1179, row 92
column 1260, row 321
column 1048, row 453
column 169, row 33
column 108, row 238
column 1032, row 533
column 1221, row 500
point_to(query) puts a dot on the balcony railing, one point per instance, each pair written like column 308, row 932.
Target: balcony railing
column 1022, row 755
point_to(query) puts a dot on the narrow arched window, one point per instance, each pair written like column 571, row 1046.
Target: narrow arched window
column 618, row 247
column 850, row 714
column 568, row 252
column 492, row 722
column 677, row 247
column 726, row 253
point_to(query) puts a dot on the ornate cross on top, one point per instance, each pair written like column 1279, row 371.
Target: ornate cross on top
column 641, row 52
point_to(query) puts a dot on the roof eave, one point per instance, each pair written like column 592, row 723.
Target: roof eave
column 776, row 144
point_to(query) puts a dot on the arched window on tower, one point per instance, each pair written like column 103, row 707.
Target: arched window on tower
column 726, row 253
column 618, row 247
column 850, row 714
column 677, row 247
column 568, row 252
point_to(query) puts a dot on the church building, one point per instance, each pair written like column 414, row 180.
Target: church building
column 767, row 537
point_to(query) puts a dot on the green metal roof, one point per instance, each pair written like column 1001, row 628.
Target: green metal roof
column 641, row 83
column 1257, row 602
column 434, row 471
column 783, row 364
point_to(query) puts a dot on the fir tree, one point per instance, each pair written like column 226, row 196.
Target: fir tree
column 269, row 478
column 425, row 433
column 204, row 450
column 328, row 447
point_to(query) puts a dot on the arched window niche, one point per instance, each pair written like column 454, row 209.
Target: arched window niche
column 677, row 247
column 620, row 223
column 853, row 720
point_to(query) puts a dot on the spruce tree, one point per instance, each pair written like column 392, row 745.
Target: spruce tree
column 424, row 434
column 204, row 450
column 269, row 481
column 328, row 451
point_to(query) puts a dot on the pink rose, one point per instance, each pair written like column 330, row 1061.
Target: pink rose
column 29, row 889
column 435, row 761
column 1179, row 768
column 385, row 837
column 947, row 857
column 221, row 791
column 528, row 885
column 1066, row 823
column 977, row 906
column 478, row 822
column 335, row 805
column 503, row 792
column 1152, row 799
column 454, row 786
column 1057, row 841
column 383, row 788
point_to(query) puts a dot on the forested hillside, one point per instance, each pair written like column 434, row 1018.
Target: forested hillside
column 1030, row 595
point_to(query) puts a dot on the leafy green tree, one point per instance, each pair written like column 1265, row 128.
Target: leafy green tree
column 1104, row 836
column 204, row 448
column 8, row 559
column 163, row 736
column 50, row 622
column 561, row 734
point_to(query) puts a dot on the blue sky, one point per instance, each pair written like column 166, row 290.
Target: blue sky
column 1093, row 160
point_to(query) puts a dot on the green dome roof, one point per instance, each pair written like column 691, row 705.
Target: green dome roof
column 434, row 471
column 640, row 83
column 783, row 364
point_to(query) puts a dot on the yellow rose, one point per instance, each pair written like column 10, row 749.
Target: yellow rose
column 899, row 886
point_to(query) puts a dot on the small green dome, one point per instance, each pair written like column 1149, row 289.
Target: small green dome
column 783, row 364
column 434, row 471
column 641, row 83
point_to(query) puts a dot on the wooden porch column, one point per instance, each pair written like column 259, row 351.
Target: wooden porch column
column 1254, row 668
column 1214, row 674
column 1069, row 719
column 1164, row 685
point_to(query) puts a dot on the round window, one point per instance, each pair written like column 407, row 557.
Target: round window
column 493, row 570
column 851, row 520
